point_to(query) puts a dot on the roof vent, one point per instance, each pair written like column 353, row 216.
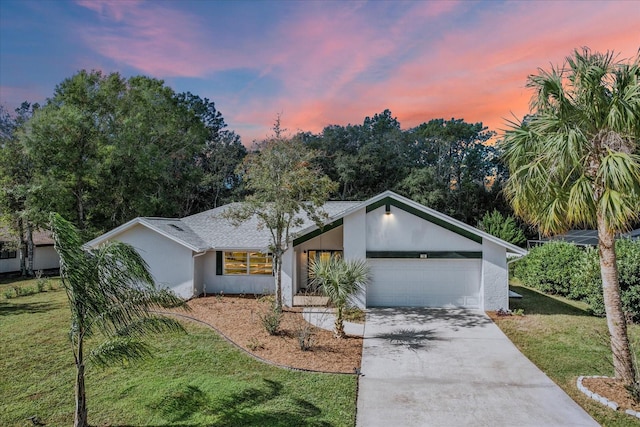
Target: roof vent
column 176, row 227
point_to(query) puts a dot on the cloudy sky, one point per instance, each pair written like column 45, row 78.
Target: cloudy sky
column 315, row 62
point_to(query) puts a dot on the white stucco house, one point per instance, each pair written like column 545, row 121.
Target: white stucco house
column 418, row 257
column 45, row 256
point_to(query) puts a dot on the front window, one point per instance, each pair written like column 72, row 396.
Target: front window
column 243, row 263
column 317, row 255
column 6, row 252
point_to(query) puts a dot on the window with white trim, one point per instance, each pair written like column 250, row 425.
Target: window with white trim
column 247, row 263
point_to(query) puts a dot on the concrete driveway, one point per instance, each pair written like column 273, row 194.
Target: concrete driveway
column 453, row 367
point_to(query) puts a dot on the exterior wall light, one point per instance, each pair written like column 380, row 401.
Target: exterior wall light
column 387, row 209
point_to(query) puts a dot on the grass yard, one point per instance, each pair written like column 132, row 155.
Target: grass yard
column 195, row 380
column 560, row 337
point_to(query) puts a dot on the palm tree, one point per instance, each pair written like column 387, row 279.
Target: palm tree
column 574, row 162
column 110, row 291
column 340, row 281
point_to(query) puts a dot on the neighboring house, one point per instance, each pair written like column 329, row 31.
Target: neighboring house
column 45, row 256
column 581, row 237
column 418, row 256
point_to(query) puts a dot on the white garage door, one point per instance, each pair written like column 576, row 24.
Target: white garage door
column 424, row 283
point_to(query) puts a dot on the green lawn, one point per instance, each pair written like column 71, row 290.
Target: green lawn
column 194, row 380
column 565, row 342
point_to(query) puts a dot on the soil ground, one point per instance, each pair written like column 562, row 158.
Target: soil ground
column 239, row 319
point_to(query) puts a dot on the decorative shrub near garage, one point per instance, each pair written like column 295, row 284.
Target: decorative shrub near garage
column 565, row 269
column 550, row 267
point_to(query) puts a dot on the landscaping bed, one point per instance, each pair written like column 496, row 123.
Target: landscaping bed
column 239, row 319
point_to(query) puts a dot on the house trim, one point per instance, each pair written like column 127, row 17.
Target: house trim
column 317, row 232
column 426, row 254
column 105, row 237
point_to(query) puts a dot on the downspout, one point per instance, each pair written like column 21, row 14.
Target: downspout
column 193, row 266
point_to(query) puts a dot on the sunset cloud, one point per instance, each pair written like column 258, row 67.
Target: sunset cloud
column 321, row 63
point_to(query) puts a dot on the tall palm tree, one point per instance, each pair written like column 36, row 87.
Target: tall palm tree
column 340, row 281
column 110, row 291
column 575, row 162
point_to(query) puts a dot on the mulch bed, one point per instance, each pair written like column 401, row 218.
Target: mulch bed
column 239, row 319
column 613, row 390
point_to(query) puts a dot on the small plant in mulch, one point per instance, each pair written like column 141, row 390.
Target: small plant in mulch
column 271, row 320
column 266, row 298
column 219, row 296
column 634, row 391
column 255, row 345
column 306, row 334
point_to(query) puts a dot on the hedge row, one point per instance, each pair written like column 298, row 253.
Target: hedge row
column 571, row 271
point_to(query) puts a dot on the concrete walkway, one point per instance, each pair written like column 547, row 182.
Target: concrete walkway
column 441, row 367
column 324, row 318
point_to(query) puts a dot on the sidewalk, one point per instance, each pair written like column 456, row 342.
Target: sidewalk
column 323, row 318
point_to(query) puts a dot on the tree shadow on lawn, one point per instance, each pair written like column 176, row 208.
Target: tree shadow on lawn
column 15, row 308
column 238, row 409
column 533, row 302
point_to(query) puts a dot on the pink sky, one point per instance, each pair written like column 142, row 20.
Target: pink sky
column 318, row 63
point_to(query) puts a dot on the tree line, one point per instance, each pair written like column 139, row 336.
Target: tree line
column 105, row 149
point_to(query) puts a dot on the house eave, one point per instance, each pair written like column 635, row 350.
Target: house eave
column 141, row 221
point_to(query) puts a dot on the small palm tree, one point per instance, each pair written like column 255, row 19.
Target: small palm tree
column 340, row 281
column 575, row 162
column 110, row 291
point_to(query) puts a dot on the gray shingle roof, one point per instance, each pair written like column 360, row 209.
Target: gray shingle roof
column 40, row 237
column 177, row 229
column 218, row 232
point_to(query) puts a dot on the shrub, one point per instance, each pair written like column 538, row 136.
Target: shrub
column 10, row 293
column 549, row 267
column 28, row 290
column 255, row 345
column 564, row 269
column 271, row 320
column 42, row 282
column 588, row 283
column 305, row 333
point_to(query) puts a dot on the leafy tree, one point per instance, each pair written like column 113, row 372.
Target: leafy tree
column 151, row 167
column 340, row 280
column 218, row 159
column 15, row 184
column 365, row 159
column 423, row 186
column 574, row 162
column 106, row 149
column 462, row 161
column 66, row 140
column 110, row 291
column 505, row 228
column 446, row 164
column 282, row 184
